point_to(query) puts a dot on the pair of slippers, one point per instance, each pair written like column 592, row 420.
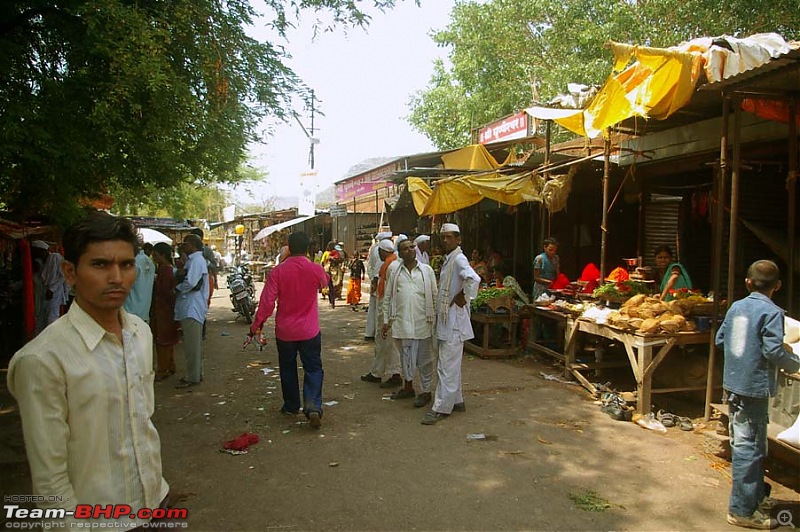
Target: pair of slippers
column 671, row 420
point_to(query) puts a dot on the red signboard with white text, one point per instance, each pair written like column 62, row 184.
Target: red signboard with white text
column 366, row 183
column 509, row 128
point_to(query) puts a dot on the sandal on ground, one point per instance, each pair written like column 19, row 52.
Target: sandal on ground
column 684, row 423
column 666, row 419
column 183, row 383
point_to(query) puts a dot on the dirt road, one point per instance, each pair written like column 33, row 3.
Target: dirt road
column 551, row 460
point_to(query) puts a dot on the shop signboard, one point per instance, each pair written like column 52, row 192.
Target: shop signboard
column 363, row 184
column 509, row 128
column 338, row 210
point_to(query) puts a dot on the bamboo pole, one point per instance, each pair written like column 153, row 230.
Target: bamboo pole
column 733, row 231
column 716, row 266
column 604, row 223
column 791, row 187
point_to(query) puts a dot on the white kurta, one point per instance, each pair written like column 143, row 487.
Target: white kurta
column 453, row 328
column 373, row 266
column 408, row 299
column 54, row 281
column 422, row 256
column 411, row 329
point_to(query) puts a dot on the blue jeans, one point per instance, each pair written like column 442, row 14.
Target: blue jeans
column 748, row 420
column 310, row 352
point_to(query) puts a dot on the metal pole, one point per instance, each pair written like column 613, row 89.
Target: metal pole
column 733, row 233
column 716, row 265
column 377, row 214
column 791, row 187
column 603, row 224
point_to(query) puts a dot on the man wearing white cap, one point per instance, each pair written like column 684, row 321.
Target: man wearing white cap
column 373, row 267
column 56, row 288
column 458, row 284
column 409, row 311
column 422, row 243
column 387, row 356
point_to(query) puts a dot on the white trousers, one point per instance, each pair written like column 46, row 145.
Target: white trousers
column 448, row 368
column 417, row 356
column 387, row 355
column 369, row 331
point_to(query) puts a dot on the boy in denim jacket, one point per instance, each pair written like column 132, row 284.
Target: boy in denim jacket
column 752, row 337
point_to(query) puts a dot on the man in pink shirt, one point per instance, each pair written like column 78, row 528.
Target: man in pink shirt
column 294, row 284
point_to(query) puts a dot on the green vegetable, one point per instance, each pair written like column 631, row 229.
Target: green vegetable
column 489, row 293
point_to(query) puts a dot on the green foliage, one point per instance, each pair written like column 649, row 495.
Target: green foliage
column 138, row 95
column 589, row 501
column 505, row 55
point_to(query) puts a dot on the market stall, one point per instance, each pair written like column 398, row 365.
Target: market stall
column 647, row 328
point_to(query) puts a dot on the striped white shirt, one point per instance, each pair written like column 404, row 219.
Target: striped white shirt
column 86, row 402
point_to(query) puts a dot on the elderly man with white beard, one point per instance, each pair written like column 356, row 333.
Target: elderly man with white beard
column 409, row 311
column 458, row 284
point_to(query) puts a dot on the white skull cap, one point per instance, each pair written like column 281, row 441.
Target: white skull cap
column 383, row 235
column 421, row 238
column 449, row 228
column 386, row 245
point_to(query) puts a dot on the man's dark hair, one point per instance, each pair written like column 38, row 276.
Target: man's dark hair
column 197, row 231
column 148, row 248
column 97, row 227
column 298, row 243
column 549, row 241
column 764, row 275
column 165, row 250
column 194, row 241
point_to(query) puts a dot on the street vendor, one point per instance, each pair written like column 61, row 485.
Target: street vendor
column 546, row 267
column 672, row 273
column 501, row 280
column 479, row 265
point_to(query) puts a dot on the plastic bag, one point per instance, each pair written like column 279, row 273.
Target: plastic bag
column 791, row 435
column 650, row 422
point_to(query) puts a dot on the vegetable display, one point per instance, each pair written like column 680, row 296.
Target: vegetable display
column 621, row 291
column 486, row 294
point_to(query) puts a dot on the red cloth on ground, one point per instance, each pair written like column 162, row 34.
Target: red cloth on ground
column 562, row 281
column 242, row 441
column 28, row 304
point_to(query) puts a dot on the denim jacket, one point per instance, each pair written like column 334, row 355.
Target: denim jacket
column 752, row 337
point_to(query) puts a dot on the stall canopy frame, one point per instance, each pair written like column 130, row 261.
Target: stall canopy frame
column 266, row 231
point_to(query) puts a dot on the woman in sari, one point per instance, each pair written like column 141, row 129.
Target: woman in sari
column 546, row 268
column 162, row 319
column 673, row 274
column 478, row 264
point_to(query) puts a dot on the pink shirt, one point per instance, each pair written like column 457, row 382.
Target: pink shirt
column 294, row 284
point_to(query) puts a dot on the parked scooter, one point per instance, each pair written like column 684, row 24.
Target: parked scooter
column 243, row 292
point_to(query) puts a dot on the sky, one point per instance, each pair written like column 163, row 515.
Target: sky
column 364, row 80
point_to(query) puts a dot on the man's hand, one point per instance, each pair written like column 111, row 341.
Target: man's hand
column 460, row 300
column 385, row 330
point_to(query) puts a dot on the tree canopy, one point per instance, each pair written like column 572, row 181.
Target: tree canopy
column 139, row 96
column 505, row 55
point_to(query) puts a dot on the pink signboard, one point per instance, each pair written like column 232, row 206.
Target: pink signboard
column 364, row 184
column 512, row 127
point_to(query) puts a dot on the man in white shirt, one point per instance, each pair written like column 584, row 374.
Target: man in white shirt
column 409, row 311
column 85, row 385
column 56, row 289
column 423, row 243
column 374, row 263
column 458, row 284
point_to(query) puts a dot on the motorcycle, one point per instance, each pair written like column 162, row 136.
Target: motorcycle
column 243, row 292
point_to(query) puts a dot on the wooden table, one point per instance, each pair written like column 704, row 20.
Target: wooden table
column 645, row 353
column 486, row 320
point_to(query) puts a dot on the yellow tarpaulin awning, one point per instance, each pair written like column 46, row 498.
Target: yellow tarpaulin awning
column 457, row 193
column 662, row 80
column 473, row 157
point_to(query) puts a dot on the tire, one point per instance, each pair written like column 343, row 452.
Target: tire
column 247, row 312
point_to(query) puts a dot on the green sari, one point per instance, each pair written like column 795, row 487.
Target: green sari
column 683, row 280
